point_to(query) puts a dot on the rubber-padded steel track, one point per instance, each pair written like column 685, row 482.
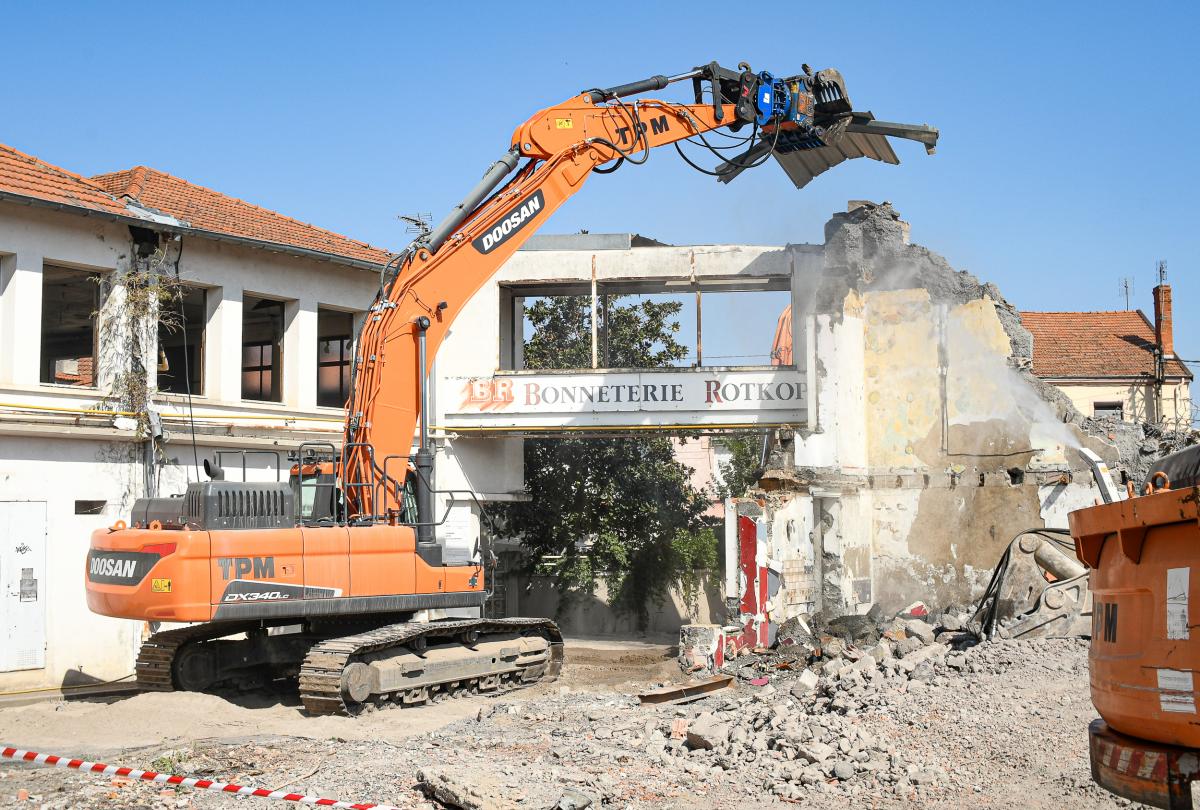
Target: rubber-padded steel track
column 321, row 672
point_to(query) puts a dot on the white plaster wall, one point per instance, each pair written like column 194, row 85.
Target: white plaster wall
column 58, row 472
column 893, row 513
column 837, row 440
column 1177, row 400
column 854, row 531
column 1059, row 500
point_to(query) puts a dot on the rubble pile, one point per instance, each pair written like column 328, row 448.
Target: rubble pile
column 900, row 714
column 797, row 728
column 1142, row 443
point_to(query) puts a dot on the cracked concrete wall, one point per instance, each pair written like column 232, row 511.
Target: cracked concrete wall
column 934, row 444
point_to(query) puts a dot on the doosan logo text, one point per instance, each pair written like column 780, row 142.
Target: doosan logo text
column 500, row 233
column 103, row 567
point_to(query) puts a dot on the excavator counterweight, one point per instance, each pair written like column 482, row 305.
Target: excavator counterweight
column 337, row 577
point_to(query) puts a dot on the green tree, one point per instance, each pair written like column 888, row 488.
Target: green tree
column 621, row 510
column 743, row 469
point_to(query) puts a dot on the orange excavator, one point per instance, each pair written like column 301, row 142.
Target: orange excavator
column 337, row 575
column 1145, row 649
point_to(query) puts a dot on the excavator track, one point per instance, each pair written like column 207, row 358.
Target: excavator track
column 156, row 658
column 323, row 673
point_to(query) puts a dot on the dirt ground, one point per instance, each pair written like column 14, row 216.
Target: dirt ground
column 1013, row 732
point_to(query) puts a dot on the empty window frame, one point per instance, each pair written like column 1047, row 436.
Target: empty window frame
column 262, row 349
column 1108, row 410
column 718, row 323
column 334, row 346
column 181, row 342
column 69, row 341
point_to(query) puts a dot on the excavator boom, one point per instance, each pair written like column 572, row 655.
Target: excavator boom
column 805, row 122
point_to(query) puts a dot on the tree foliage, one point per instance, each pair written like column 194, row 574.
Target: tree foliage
column 743, row 469
column 621, row 510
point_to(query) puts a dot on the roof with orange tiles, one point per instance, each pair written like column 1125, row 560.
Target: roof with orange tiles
column 25, row 176
column 1088, row 345
column 208, row 210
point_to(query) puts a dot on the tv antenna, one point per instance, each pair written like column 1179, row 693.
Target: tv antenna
column 417, row 223
column 1127, row 289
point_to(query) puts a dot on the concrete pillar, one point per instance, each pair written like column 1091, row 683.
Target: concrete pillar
column 114, row 335
column 300, row 354
column 223, row 344
column 21, row 318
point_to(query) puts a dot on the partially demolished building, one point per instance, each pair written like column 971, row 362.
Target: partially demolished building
column 921, row 443
column 933, row 444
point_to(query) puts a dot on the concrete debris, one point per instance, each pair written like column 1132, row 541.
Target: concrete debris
column 1140, row 443
column 573, row 800
column 963, row 726
column 452, row 791
column 707, row 732
column 805, row 683
column 918, row 628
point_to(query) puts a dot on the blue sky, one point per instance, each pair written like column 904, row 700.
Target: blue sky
column 1067, row 158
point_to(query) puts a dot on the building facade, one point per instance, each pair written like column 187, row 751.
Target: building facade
column 1117, row 365
column 107, row 393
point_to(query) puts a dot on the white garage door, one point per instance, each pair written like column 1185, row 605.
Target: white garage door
column 22, row 585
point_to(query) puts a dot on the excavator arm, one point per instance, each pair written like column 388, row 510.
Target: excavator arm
column 552, row 155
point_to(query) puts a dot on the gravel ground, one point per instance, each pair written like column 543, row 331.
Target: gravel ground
column 998, row 725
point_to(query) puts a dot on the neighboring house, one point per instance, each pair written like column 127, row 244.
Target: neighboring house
column 259, row 354
column 1115, row 364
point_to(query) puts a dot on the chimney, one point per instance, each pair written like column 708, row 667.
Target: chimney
column 1163, row 333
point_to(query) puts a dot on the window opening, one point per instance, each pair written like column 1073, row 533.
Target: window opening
column 262, row 344
column 1109, row 410
column 334, row 348
column 70, row 302
column 179, row 350
column 713, row 325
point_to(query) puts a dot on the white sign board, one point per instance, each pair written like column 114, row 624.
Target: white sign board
column 675, row 398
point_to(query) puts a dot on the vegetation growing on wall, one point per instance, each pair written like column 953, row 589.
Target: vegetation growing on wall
column 147, row 296
column 618, row 510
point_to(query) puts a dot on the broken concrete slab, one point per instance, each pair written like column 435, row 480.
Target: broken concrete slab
column 806, row 682
column 931, row 653
column 921, row 629
column 707, row 732
column 454, row 791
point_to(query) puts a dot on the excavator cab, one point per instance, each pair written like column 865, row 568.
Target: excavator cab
column 313, row 477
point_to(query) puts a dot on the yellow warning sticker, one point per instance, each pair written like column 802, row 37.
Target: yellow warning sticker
column 160, row 585
column 564, row 123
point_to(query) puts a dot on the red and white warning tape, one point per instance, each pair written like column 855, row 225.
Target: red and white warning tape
column 185, row 781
